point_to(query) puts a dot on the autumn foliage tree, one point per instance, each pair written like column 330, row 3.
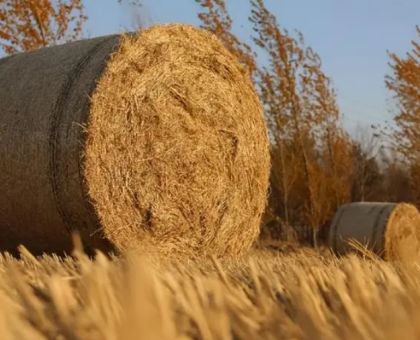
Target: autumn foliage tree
column 312, row 156
column 27, row 25
column 404, row 83
column 30, row 24
column 216, row 19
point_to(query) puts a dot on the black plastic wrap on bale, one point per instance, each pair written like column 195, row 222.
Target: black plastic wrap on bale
column 44, row 101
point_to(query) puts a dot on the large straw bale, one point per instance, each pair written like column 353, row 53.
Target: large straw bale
column 154, row 137
column 389, row 230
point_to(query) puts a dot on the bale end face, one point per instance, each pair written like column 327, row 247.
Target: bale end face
column 402, row 237
column 177, row 148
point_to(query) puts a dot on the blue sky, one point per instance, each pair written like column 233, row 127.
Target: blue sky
column 352, row 38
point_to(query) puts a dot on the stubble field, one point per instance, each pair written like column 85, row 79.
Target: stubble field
column 272, row 294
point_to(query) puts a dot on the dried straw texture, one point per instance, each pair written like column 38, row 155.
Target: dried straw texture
column 389, row 230
column 170, row 153
column 177, row 147
column 299, row 296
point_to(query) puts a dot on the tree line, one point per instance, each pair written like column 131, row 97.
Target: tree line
column 316, row 165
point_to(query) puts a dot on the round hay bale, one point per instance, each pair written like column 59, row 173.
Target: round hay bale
column 157, row 137
column 389, row 230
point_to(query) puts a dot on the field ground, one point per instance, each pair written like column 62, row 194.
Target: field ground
column 293, row 294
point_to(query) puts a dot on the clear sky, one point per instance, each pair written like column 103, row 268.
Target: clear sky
column 352, row 38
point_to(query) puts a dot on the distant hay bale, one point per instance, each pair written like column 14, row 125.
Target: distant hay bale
column 154, row 137
column 389, row 230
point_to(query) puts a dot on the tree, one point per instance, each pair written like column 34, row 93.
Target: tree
column 278, row 85
column 396, row 179
column 367, row 175
column 216, row 19
column 303, row 118
column 404, row 83
column 30, row 24
column 27, row 25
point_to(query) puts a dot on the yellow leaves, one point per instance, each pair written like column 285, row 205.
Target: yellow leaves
column 4, row 35
column 404, row 84
column 304, row 116
column 30, row 24
column 216, row 19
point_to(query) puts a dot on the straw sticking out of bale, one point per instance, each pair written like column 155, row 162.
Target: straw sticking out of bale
column 170, row 149
column 389, row 230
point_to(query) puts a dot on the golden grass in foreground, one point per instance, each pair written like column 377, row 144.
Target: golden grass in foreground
column 300, row 295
